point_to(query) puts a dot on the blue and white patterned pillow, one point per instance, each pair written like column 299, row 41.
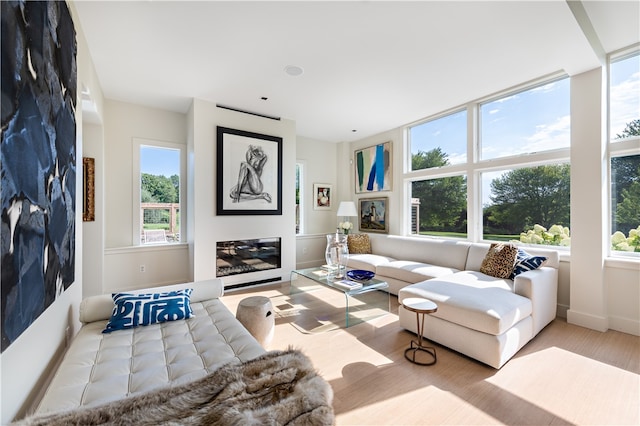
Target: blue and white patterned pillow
column 133, row 310
column 526, row 262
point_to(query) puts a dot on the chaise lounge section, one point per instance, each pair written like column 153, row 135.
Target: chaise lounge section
column 485, row 317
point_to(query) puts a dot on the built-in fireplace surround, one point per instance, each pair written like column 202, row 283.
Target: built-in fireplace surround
column 244, row 256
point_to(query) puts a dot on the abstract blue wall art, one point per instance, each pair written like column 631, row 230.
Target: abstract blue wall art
column 373, row 168
column 37, row 160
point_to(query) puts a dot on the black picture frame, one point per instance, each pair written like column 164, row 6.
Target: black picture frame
column 256, row 159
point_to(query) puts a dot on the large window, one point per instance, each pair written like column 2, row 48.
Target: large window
column 439, row 142
column 533, row 120
column 518, row 203
column 624, row 126
column 504, row 176
column 442, row 206
column 157, row 215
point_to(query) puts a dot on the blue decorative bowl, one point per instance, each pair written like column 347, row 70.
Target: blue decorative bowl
column 360, row 275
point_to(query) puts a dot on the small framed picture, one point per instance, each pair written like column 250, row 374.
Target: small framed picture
column 322, row 196
column 373, row 215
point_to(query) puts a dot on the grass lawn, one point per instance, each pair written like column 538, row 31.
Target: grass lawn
column 491, row 237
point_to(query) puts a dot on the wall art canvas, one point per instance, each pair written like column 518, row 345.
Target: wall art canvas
column 373, row 215
column 322, row 196
column 38, row 160
column 249, row 173
column 373, row 168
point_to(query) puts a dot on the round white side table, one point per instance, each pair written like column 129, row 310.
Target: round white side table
column 421, row 307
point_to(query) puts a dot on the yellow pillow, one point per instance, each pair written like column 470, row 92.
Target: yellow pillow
column 359, row 244
column 499, row 260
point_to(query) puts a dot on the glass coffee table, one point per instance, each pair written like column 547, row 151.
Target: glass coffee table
column 326, row 304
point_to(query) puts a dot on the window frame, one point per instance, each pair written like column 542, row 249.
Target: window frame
column 137, row 144
column 617, row 148
column 475, row 166
column 301, row 166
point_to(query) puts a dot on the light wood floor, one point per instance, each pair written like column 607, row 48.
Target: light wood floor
column 567, row 375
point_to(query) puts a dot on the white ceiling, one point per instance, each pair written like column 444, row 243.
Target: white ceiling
column 368, row 66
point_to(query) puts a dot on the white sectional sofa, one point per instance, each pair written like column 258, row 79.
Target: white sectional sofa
column 481, row 316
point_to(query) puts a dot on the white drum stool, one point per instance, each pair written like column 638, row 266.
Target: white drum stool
column 256, row 314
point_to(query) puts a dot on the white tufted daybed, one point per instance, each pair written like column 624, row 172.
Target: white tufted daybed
column 177, row 355
column 485, row 317
column 99, row 368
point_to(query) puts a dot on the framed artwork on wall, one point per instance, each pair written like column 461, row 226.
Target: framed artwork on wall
column 38, row 156
column 373, row 216
column 373, row 168
column 88, row 194
column 322, row 196
column 249, row 173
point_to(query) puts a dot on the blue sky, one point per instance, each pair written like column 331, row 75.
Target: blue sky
column 534, row 120
column 531, row 121
column 159, row 161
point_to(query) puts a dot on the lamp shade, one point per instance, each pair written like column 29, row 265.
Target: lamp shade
column 347, row 208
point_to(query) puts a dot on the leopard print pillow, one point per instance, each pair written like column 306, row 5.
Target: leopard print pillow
column 359, row 244
column 499, row 260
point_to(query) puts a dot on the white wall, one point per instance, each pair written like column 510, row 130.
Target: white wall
column 320, row 163
column 205, row 227
column 93, row 232
column 395, row 213
column 122, row 123
column 588, row 181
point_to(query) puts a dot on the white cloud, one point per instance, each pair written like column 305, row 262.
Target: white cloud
column 550, row 136
column 625, row 103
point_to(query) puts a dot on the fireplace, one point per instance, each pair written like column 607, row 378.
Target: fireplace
column 244, row 256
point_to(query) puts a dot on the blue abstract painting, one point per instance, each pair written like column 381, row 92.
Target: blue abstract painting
column 373, row 168
column 38, row 160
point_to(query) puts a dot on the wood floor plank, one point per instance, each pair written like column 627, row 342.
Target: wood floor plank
column 567, row 375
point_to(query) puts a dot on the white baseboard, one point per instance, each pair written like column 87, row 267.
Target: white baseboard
column 625, row 325
column 588, row 320
column 561, row 311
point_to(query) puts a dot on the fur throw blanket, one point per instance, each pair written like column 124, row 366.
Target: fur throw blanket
column 277, row 388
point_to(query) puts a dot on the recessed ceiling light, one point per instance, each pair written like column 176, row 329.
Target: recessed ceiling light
column 293, row 70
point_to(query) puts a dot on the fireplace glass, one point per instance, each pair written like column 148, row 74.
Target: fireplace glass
column 244, row 256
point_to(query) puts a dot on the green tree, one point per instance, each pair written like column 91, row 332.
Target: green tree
column 425, row 160
column 627, row 215
column 159, row 189
column 443, row 201
column 631, row 129
column 529, row 196
column 625, row 182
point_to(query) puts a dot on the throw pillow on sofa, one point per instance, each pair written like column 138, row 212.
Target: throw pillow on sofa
column 526, row 262
column 359, row 244
column 133, row 310
column 499, row 260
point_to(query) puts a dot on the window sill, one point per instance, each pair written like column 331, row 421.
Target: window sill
column 630, row 263
column 146, row 247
